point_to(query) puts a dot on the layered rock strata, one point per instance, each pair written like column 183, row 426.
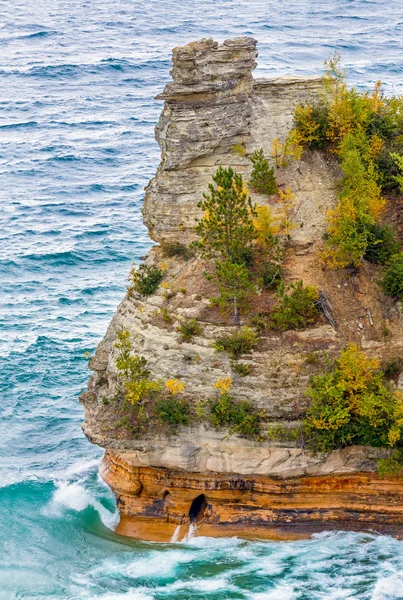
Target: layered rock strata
column 234, row 484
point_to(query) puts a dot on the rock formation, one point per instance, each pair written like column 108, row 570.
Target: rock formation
column 235, row 484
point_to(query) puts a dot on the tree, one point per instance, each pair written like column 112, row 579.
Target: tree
column 262, row 178
column 234, row 284
column 226, row 231
column 226, row 235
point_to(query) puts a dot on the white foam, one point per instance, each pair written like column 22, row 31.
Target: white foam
column 74, row 496
column 388, row 588
column 281, row 592
column 191, row 533
column 175, row 535
column 131, row 595
column 154, row 566
column 80, row 467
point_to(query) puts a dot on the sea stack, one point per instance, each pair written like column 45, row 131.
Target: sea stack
column 216, row 114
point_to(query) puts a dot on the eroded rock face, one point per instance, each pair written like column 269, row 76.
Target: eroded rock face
column 212, row 104
column 160, row 503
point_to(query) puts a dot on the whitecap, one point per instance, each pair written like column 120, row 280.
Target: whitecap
column 155, row 565
column 74, row 496
column 281, row 592
column 388, row 588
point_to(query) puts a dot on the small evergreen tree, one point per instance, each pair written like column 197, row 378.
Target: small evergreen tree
column 262, row 178
column 227, row 233
column 234, row 284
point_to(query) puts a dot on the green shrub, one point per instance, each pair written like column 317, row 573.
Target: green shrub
column 146, row 279
column 166, row 317
column 271, row 275
column 382, row 244
column 242, row 369
column 392, row 282
column 177, row 249
column 238, row 150
column 279, row 433
column 392, row 466
column 138, row 387
column 241, row 341
column 260, row 321
column 311, row 124
column 392, row 368
column 296, row 307
column 239, row 417
column 312, row 358
column 262, row 179
column 188, row 328
column 353, row 404
column 173, row 411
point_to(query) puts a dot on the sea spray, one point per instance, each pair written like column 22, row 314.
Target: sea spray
column 175, row 535
column 74, row 496
column 191, row 533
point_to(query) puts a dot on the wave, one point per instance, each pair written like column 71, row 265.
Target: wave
column 74, row 496
column 19, row 125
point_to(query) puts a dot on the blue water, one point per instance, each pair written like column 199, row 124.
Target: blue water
column 77, row 113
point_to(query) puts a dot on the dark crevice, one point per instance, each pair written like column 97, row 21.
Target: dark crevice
column 197, row 509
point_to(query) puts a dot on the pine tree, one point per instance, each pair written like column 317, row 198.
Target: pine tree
column 262, row 178
column 227, row 231
column 226, row 235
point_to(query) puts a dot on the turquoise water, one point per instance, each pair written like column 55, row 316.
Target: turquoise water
column 76, row 150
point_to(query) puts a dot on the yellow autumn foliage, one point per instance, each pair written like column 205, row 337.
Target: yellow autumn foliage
column 223, row 385
column 175, row 386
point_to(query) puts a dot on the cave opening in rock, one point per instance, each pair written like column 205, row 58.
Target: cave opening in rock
column 197, row 508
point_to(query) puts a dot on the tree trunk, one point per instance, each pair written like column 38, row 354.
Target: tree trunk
column 236, row 315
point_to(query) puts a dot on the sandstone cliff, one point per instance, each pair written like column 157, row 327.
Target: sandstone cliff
column 212, row 105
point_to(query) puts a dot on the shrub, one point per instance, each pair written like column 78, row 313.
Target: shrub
column 353, row 404
column 398, row 159
column 239, row 417
column 296, row 307
column 360, row 205
column 271, row 276
column 287, row 199
column 311, row 124
column 237, row 343
column 362, row 129
column 270, row 251
column 242, row 369
column 260, row 321
column 392, row 466
column 392, row 368
column 262, row 178
column 382, row 244
column 166, row 317
column 188, row 328
column 177, row 249
column 173, row 411
column 146, row 279
column 133, row 370
column 290, row 148
column 238, row 150
column 392, row 282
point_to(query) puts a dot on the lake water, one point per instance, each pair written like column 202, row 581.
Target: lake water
column 77, row 113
